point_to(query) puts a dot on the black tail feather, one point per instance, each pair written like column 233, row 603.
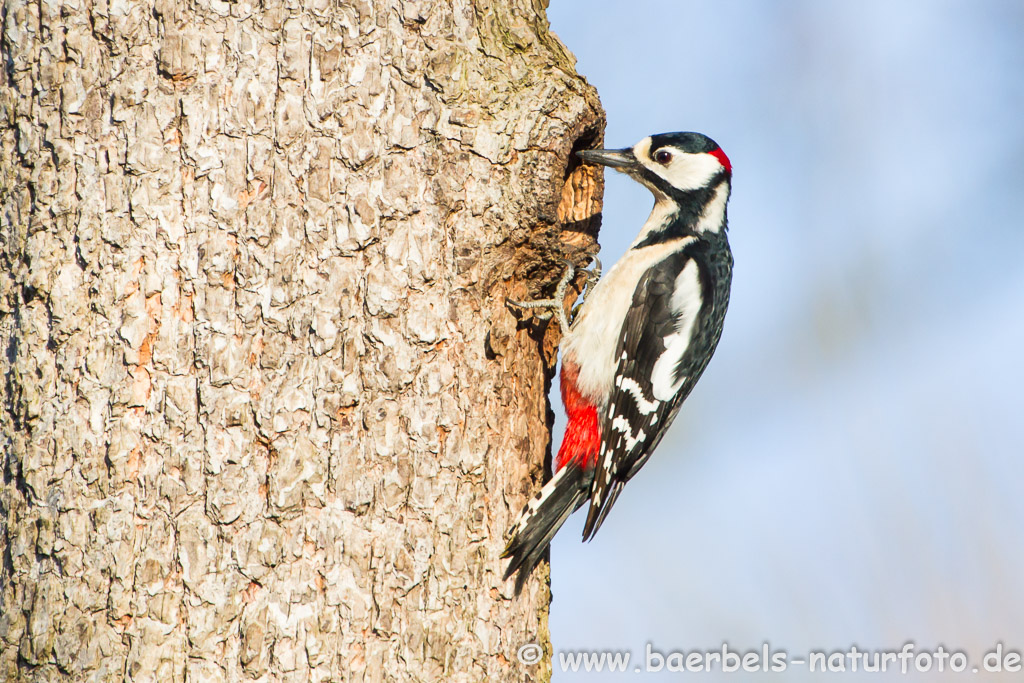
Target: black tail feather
column 599, row 510
column 541, row 519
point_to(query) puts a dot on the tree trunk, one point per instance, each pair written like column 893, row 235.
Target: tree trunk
column 265, row 412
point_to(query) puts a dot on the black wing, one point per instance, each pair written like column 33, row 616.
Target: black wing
column 665, row 335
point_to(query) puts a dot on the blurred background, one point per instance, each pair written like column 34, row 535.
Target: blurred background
column 850, row 469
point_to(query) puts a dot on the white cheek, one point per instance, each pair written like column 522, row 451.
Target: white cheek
column 690, row 171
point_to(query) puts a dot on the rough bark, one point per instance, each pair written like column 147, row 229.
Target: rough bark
column 264, row 412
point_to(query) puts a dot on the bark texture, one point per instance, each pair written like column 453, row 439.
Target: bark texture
column 264, row 412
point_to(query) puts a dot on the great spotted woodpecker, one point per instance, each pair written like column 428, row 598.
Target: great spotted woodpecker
column 641, row 339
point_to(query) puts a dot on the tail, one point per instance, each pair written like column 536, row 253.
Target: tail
column 542, row 517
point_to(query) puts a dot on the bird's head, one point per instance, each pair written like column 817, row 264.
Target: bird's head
column 669, row 163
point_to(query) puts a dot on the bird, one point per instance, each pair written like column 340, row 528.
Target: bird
column 641, row 338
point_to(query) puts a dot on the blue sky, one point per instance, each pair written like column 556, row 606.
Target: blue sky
column 850, row 468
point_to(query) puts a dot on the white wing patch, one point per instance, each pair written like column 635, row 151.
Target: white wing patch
column 686, row 303
column 621, row 424
column 663, row 375
column 643, row 406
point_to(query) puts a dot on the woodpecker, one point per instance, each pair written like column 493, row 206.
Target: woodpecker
column 640, row 340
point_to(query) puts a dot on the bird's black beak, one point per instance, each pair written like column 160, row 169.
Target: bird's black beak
column 621, row 159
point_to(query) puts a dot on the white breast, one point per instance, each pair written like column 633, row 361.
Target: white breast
column 595, row 334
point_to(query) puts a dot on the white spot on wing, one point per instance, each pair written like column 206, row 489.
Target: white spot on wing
column 685, row 303
column 644, row 406
column 663, row 374
column 620, row 424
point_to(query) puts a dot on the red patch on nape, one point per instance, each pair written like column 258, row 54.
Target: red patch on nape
column 722, row 159
column 582, row 438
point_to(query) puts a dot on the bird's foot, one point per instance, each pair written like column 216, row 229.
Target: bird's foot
column 593, row 272
column 555, row 304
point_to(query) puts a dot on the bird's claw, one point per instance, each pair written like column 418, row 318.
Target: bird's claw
column 555, row 304
column 540, row 303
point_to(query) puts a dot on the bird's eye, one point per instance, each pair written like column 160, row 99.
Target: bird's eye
column 663, row 156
